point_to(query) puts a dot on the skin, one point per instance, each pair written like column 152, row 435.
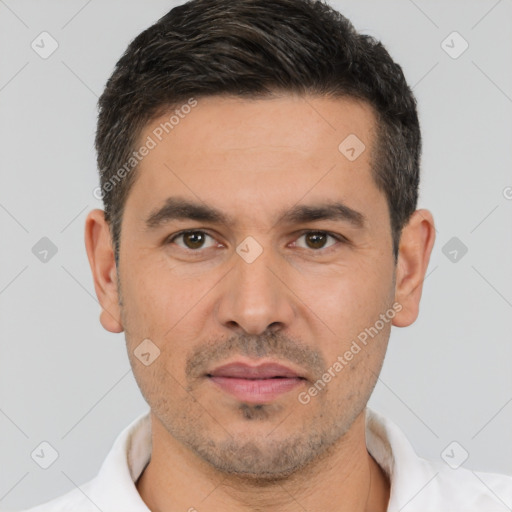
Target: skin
column 296, row 303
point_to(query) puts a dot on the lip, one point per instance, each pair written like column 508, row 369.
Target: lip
column 261, row 383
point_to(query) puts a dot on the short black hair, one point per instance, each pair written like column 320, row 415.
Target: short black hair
column 255, row 49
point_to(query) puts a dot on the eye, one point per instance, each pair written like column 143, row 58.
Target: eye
column 317, row 240
column 192, row 240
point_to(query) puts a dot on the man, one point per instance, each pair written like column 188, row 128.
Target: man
column 259, row 169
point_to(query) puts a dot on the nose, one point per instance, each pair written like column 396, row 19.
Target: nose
column 254, row 297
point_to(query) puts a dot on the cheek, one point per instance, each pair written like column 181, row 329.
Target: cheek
column 167, row 309
column 163, row 390
column 151, row 294
column 349, row 300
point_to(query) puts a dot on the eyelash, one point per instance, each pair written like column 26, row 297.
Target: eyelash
column 338, row 238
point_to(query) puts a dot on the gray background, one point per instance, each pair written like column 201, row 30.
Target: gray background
column 65, row 380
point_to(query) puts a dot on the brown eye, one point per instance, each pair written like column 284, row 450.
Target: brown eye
column 192, row 240
column 316, row 240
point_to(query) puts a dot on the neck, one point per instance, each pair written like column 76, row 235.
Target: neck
column 347, row 479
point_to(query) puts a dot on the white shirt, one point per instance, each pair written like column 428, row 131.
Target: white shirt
column 417, row 485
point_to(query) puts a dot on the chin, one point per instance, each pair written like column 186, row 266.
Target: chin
column 262, row 462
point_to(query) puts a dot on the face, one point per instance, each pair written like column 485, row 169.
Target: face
column 254, row 254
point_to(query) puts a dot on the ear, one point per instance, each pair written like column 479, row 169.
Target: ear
column 415, row 247
column 100, row 252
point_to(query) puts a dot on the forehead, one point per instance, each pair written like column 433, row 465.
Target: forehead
column 302, row 124
column 258, row 152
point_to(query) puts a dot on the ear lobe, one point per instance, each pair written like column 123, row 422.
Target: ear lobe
column 416, row 243
column 100, row 253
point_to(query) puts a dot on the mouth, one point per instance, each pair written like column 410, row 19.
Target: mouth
column 258, row 384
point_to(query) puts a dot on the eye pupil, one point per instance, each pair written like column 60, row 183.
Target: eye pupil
column 316, row 240
column 194, row 239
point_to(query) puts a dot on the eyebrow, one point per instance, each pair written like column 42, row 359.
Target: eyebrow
column 336, row 211
column 176, row 208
